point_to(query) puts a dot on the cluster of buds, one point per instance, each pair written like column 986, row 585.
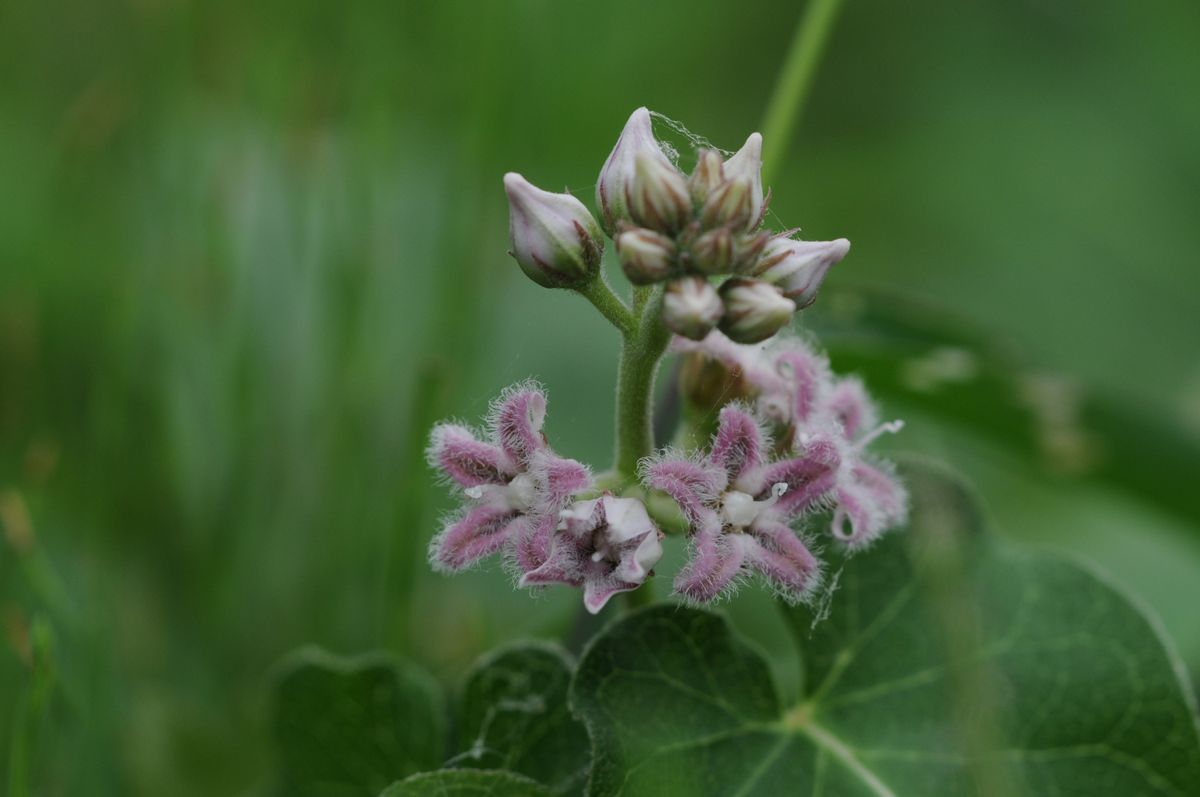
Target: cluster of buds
column 690, row 232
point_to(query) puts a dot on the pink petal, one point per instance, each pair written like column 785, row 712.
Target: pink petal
column 738, row 444
column 714, row 563
column 482, row 531
column 692, row 484
column 557, row 478
column 460, row 455
column 868, row 506
column 808, row 376
column 850, row 404
column 517, row 417
column 531, row 548
column 808, row 477
column 597, row 591
column 885, row 490
column 782, row 557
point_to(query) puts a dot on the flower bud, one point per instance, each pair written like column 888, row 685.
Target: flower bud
column 746, row 164
column 754, row 310
column 799, row 267
column 707, row 175
column 614, row 188
column 646, row 256
column 730, row 205
column 712, row 252
column 691, row 307
column 747, row 249
column 659, row 196
column 554, row 239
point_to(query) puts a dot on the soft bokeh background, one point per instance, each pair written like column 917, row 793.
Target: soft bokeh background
column 248, row 256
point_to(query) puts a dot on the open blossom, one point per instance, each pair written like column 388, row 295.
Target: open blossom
column 868, row 498
column 740, row 504
column 606, row 545
column 793, row 387
column 514, row 485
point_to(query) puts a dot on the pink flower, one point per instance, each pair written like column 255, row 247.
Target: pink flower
column 606, row 545
column 740, row 506
column 514, row 484
column 868, row 499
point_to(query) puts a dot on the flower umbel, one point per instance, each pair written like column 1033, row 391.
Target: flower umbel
column 513, row 484
column 740, row 506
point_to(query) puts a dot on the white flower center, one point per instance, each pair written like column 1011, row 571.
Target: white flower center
column 518, row 494
column 739, row 509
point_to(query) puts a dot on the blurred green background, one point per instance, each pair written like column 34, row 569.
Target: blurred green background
column 249, row 254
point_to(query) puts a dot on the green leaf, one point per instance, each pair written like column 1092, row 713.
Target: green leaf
column 351, row 726
column 466, row 783
column 515, row 717
column 944, row 663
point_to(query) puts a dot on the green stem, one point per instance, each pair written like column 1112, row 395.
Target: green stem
column 795, row 79
column 604, row 299
column 641, row 351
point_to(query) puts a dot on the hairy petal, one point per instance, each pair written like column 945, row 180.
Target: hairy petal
column 808, row 377
column 809, row 478
column 517, row 418
column 738, row 444
column 850, row 404
column 715, row 562
column 869, row 505
column 454, row 450
column 531, row 548
column 774, row 550
column 482, row 531
column 557, row 478
column 692, row 484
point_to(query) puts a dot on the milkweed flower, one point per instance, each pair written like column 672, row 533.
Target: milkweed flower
column 740, row 504
column 606, row 545
column 513, row 484
column 868, row 498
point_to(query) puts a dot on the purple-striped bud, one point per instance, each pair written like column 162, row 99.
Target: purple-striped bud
column 659, row 197
column 691, row 307
column 646, row 256
column 554, row 239
column 746, row 164
column 712, row 252
column 799, row 267
column 754, row 310
column 707, row 176
column 614, row 188
column 731, row 205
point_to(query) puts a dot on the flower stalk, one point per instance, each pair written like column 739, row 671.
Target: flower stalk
column 641, row 351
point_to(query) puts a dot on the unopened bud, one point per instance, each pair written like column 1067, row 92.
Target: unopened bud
column 646, row 256
column 712, row 252
column 554, row 239
column 754, row 310
column 659, row 197
column 746, row 164
column 799, row 267
column 747, row 250
column 615, row 185
column 691, row 307
column 730, row 205
column 707, row 175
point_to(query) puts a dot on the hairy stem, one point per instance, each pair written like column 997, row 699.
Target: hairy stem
column 795, row 79
column 611, row 306
column 641, row 351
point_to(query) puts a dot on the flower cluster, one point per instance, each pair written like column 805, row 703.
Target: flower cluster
column 677, row 229
column 791, row 438
column 519, row 501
